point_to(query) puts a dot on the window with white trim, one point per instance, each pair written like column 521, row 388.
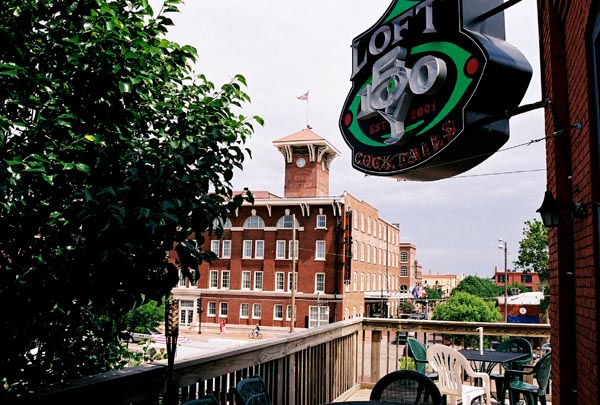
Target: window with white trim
column 246, row 249
column 246, row 280
column 279, row 281
column 214, row 247
column 256, row 311
column 368, row 253
column 404, row 257
column 244, row 310
column 320, row 282
column 368, row 225
column 368, row 281
column 226, row 249
column 212, row 309
column 225, row 281
column 354, row 249
column 295, row 252
column 259, row 249
column 280, row 249
column 254, row 222
column 290, row 281
column 258, row 280
column 321, row 221
column 362, row 252
column 286, row 222
column 278, row 312
column 355, row 219
column 213, row 279
column 362, row 281
column 320, row 250
column 362, row 222
column 288, row 312
column 224, row 309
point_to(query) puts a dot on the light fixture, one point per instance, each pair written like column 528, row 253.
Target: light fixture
column 549, row 210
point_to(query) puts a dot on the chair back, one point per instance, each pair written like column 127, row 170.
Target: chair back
column 517, row 345
column 449, row 364
column 251, row 391
column 542, row 371
column 407, row 387
column 208, row 399
column 418, row 352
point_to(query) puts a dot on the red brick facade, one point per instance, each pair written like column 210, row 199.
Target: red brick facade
column 347, row 258
column 568, row 50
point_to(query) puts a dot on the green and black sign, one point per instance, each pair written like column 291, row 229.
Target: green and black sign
column 431, row 84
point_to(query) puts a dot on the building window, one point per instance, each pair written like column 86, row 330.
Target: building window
column 279, row 281
column 403, row 289
column 286, row 222
column 258, row 280
column 295, row 252
column 403, row 271
column 368, row 281
column 362, row 281
column 244, row 310
column 501, row 278
column 362, row 222
column 288, row 313
column 246, row 249
column 214, row 279
column 404, row 257
column 256, row 311
column 246, row 280
column 212, row 309
column 526, row 278
column 278, row 312
column 254, row 222
column 368, row 253
column 354, row 282
column 321, row 221
column 320, row 282
column 369, row 225
column 290, row 281
column 226, row 249
column 354, row 249
column 355, row 219
column 320, row 250
column 280, row 249
column 259, row 249
column 362, row 252
column 214, row 247
column 224, row 308
column 225, row 279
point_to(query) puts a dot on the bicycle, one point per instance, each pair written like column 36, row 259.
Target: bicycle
column 255, row 334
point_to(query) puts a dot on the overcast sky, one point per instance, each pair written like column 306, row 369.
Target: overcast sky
column 285, row 48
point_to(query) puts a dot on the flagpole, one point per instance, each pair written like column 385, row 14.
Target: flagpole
column 307, row 126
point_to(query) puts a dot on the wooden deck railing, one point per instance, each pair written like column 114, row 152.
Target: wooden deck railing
column 306, row 367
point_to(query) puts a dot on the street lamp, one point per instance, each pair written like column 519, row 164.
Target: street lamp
column 504, row 245
column 199, row 310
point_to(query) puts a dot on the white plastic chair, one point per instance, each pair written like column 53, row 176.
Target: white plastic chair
column 451, row 367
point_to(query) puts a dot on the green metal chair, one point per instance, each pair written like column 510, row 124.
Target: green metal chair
column 531, row 392
column 514, row 345
column 208, row 399
column 418, row 352
column 251, row 391
column 407, row 387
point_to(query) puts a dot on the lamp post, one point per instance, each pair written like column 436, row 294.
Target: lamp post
column 199, row 310
column 504, row 245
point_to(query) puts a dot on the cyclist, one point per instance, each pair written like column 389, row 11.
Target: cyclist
column 257, row 330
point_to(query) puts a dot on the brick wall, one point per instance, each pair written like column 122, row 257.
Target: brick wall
column 572, row 164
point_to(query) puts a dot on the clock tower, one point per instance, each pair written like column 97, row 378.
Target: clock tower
column 307, row 159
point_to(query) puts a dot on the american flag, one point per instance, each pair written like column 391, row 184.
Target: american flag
column 303, row 97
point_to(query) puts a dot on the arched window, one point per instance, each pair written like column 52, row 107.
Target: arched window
column 254, row 222
column 219, row 222
column 286, row 222
column 403, row 288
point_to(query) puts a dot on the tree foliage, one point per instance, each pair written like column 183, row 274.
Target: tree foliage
column 111, row 153
column 533, row 249
column 480, row 287
column 465, row 307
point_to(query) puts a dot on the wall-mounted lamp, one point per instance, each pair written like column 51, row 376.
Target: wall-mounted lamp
column 550, row 210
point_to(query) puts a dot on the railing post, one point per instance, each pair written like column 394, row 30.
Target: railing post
column 375, row 355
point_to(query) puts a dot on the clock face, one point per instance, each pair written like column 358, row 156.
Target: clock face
column 300, row 162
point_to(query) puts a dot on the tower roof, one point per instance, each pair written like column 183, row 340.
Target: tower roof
column 306, row 138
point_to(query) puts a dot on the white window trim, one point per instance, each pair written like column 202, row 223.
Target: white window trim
column 317, row 290
column 223, row 272
column 245, row 244
column 275, row 317
column 208, row 313
column 242, row 316
column 210, row 278
column 262, row 280
column 317, row 257
column 275, row 287
column 228, row 255
column 249, row 276
column 259, row 253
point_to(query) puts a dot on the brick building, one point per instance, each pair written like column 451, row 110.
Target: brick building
column 531, row 280
column 570, row 61
column 347, row 258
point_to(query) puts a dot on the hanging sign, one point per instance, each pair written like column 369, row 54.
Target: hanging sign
column 430, row 89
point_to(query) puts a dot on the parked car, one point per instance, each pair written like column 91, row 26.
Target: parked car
column 401, row 337
column 417, row 315
column 137, row 337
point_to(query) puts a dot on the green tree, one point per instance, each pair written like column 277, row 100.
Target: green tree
column 433, row 293
column 533, row 249
column 406, row 307
column 144, row 317
column 533, row 256
column 465, row 307
column 480, row 287
column 112, row 151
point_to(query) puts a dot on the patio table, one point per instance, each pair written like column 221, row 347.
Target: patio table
column 490, row 358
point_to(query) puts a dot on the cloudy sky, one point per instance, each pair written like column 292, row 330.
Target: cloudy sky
column 285, row 48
